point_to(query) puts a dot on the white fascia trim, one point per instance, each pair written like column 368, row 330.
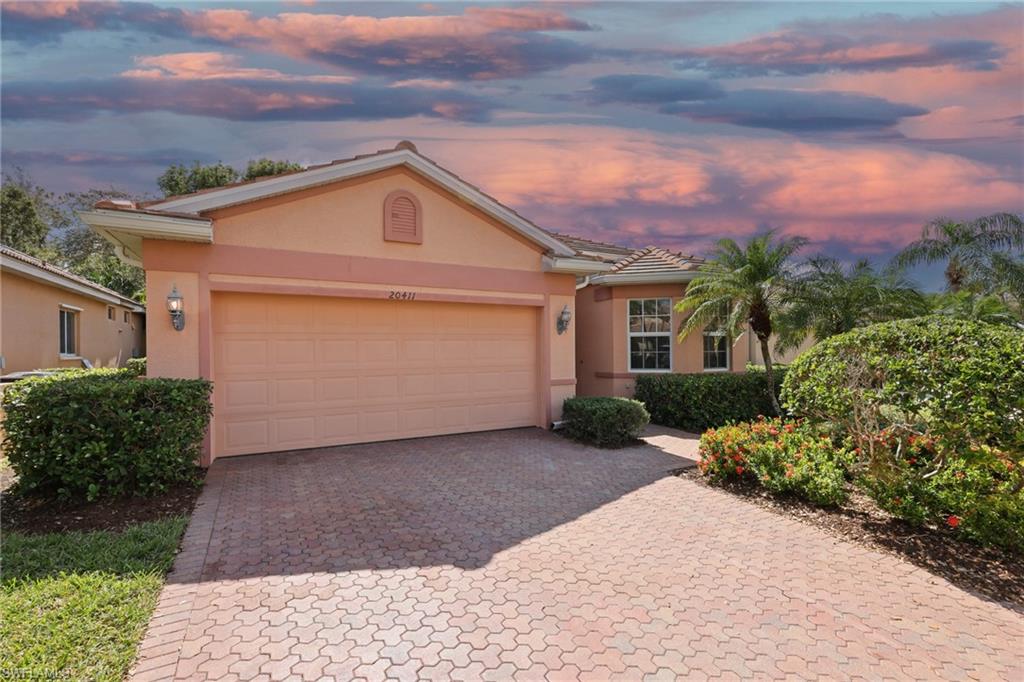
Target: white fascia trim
column 230, row 196
column 614, row 279
column 574, row 266
column 150, row 226
column 43, row 275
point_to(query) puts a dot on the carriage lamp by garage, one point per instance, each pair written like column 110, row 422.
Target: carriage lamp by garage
column 563, row 320
column 176, row 307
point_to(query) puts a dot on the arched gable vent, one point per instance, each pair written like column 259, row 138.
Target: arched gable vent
column 403, row 218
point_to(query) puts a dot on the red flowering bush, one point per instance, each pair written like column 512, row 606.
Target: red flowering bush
column 783, row 456
column 981, row 496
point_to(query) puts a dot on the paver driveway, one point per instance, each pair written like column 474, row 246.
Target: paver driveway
column 518, row 554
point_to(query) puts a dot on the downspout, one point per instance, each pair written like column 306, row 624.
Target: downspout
column 581, row 284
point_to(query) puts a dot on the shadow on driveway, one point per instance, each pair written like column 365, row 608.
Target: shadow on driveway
column 449, row 500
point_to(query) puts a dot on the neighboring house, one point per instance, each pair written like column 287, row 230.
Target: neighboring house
column 50, row 317
column 377, row 298
column 627, row 323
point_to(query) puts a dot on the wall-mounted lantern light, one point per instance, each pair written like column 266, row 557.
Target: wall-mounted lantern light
column 563, row 320
column 176, row 307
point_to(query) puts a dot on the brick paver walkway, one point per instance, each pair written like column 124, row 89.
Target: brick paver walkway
column 518, row 554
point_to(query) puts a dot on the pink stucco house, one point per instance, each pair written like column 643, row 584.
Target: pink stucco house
column 50, row 317
column 384, row 297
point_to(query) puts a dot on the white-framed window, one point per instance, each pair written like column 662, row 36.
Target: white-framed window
column 650, row 334
column 716, row 351
column 68, row 331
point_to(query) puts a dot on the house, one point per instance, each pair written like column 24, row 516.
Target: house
column 382, row 297
column 50, row 317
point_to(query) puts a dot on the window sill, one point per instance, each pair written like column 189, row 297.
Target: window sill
column 718, row 370
column 650, row 371
column 65, row 356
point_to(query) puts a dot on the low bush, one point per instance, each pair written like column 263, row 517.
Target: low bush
column 606, row 422
column 981, row 496
column 695, row 402
column 136, row 366
column 96, row 433
column 782, row 456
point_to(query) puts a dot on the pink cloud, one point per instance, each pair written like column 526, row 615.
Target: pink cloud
column 214, row 66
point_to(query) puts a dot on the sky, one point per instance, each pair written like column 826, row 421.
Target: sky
column 670, row 124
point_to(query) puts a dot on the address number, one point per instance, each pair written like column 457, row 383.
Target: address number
column 402, row 295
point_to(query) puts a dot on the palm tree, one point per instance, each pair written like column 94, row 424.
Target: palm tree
column 740, row 288
column 826, row 300
column 966, row 247
column 967, row 305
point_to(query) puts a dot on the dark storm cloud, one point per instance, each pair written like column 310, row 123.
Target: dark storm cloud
column 235, row 100
column 637, row 88
column 797, row 111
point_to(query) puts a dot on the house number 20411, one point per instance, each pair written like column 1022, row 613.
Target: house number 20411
column 402, row 295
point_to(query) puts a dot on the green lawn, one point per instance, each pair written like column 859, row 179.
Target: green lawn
column 75, row 605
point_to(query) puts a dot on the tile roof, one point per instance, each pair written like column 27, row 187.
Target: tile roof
column 655, row 260
column 53, row 269
column 609, row 253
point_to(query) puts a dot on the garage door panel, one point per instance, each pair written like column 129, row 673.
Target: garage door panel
column 295, row 392
column 333, row 389
column 246, row 394
column 241, row 354
column 378, row 351
column 296, row 372
column 337, row 352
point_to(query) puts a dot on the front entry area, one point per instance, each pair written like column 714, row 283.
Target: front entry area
column 294, row 372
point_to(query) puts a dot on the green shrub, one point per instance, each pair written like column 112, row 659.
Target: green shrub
column 958, row 382
column 783, row 457
column 606, row 422
column 695, row 402
column 137, row 366
column 98, row 433
column 981, row 496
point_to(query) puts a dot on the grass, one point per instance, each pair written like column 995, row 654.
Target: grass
column 75, row 605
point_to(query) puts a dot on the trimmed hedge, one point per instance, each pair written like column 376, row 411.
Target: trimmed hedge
column 956, row 381
column 99, row 433
column 606, row 422
column 136, row 366
column 696, row 402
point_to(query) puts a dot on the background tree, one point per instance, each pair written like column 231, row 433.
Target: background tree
column 182, row 179
column 264, row 167
column 826, row 300
column 26, row 213
column 743, row 287
column 967, row 248
column 968, row 305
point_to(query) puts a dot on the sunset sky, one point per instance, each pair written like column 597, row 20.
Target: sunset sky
column 668, row 124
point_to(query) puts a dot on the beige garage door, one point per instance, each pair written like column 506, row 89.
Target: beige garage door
column 306, row 371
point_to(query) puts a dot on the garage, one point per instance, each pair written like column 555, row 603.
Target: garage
column 294, row 372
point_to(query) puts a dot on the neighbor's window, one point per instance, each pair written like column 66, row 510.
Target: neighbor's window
column 716, row 351
column 650, row 335
column 110, row 312
column 127, row 317
column 68, row 329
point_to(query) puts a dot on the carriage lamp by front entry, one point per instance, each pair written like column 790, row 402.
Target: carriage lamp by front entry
column 176, row 307
column 563, row 320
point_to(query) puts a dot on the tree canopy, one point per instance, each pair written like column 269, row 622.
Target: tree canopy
column 182, row 179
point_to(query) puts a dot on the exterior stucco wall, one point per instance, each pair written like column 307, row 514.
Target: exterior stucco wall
column 329, row 241
column 29, row 331
column 604, row 346
column 347, row 218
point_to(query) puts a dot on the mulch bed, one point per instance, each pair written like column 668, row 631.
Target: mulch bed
column 989, row 572
column 27, row 514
